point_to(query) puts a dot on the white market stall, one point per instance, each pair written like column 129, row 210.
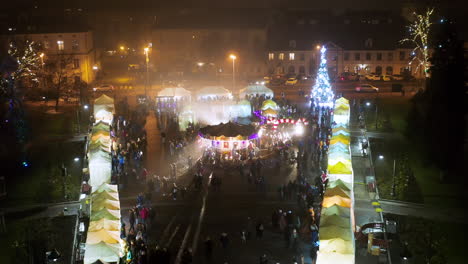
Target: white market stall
column 174, row 92
column 256, row 89
column 104, row 109
column 213, row 92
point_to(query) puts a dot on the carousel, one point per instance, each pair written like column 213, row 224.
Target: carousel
column 229, row 138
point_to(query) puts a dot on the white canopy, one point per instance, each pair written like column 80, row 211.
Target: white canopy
column 259, row 89
column 102, row 251
column 103, row 235
column 174, row 92
column 213, row 91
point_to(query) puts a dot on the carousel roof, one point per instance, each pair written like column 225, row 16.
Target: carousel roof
column 228, row 130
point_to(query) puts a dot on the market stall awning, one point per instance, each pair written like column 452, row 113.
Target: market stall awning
column 105, row 214
column 106, row 187
column 100, row 126
column 270, row 112
column 98, row 205
column 104, row 100
column 339, row 128
column 105, row 195
column 341, row 100
column 340, row 138
column 340, row 132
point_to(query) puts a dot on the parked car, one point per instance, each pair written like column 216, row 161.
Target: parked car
column 372, row 77
column 397, row 77
column 348, row 76
column 366, row 88
column 386, row 78
column 104, row 88
column 291, row 81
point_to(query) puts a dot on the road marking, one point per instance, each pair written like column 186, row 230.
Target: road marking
column 184, row 242
column 172, row 236
column 200, row 218
column 166, row 230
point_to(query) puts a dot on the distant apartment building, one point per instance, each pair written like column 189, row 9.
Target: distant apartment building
column 357, row 41
column 341, row 59
column 198, row 42
column 76, row 45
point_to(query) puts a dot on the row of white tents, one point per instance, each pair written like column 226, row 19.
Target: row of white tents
column 336, row 233
column 103, row 243
column 208, row 92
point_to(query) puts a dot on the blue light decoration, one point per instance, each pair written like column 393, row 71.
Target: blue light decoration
column 25, row 164
column 322, row 94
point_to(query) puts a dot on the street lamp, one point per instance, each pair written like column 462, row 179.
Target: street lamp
column 147, row 69
column 122, row 48
column 233, row 58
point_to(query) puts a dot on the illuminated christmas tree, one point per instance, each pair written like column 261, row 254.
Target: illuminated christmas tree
column 322, row 94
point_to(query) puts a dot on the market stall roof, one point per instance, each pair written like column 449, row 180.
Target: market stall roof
column 334, row 258
column 101, row 204
column 106, row 214
column 338, row 128
column 174, row 92
column 269, row 104
column 339, row 148
column 100, row 126
column 228, row 129
column 105, row 195
column 341, row 111
column 340, row 168
column 334, row 220
column 340, row 132
column 337, row 191
column 106, row 187
column 103, row 235
column 338, row 200
column 102, row 251
column 336, row 210
column 340, row 138
column 255, row 89
column 339, row 183
column 104, row 224
column 338, row 155
column 336, row 245
column 269, row 112
column 331, row 232
column 341, row 100
column 104, row 100
column 209, row 91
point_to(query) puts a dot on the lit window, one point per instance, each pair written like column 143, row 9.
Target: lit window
column 271, row 56
column 291, row 56
column 46, row 44
column 60, row 45
column 281, row 56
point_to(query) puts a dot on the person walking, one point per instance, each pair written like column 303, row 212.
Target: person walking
column 260, row 230
column 224, row 239
column 243, row 236
column 208, row 248
column 131, row 220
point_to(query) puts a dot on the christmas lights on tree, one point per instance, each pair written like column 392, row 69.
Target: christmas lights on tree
column 322, row 94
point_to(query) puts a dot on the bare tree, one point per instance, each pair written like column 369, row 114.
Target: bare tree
column 419, row 31
column 60, row 73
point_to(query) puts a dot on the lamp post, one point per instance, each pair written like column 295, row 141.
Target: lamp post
column 42, row 59
column 147, row 69
column 233, row 58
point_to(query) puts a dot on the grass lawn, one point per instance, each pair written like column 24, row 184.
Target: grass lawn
column 32, row 238
column 449, row 237
column 48, row 148
column 432, row 192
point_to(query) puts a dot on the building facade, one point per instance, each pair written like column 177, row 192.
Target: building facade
column 76, row 46
column 202, row 43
